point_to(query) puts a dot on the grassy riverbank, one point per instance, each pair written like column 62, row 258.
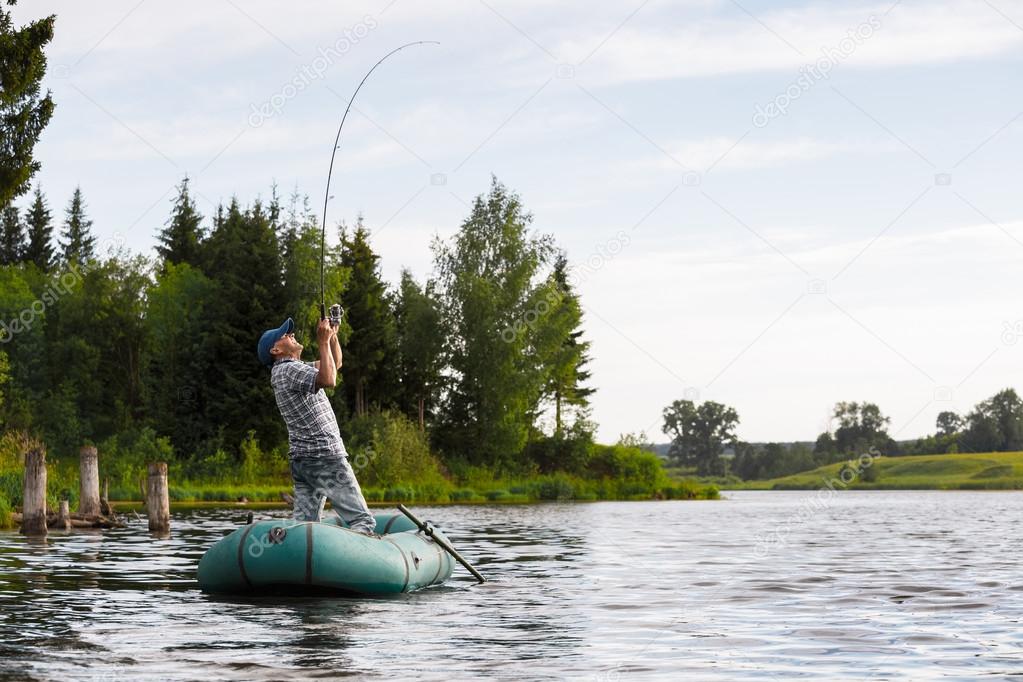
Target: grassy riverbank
column 556, row 487
column 974, row 471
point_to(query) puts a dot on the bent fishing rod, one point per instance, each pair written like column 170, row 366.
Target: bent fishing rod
column 335, row 310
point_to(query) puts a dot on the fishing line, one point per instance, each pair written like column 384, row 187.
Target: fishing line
column 326, row 196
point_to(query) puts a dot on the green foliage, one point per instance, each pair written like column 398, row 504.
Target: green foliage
column 6, row 519
column 623, row 463
column 995, row 424
column 12, row 236
column 25, row 112
column 176, row 318
column 370, row 348
column 770, row 461
column 861, row 426
column 699, row 434
column 388, row 450
column 487, row 275
column 5, row 377
column 242, row 259
column 560, row 352
column 560, row 452
column 420, row 344
column 124, row 457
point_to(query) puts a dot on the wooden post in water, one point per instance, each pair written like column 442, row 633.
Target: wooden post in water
column 158, row 498
column 104, row 501
column 33, row 520
column 63, row 521
column 88, row 482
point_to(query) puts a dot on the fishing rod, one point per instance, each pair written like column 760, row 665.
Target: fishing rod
column 335, row 310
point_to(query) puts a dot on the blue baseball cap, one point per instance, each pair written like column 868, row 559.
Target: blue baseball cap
column 269, row 338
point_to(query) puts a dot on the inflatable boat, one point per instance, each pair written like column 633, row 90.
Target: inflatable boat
column 283, row 555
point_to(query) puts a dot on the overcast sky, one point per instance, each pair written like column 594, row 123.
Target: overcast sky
column 774, row 206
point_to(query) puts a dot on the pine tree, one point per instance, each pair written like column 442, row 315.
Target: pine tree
column 23, row 112
column 40, row 234
column 78, row 244
column 179, row 241
column 12, row 236
column 369, row 372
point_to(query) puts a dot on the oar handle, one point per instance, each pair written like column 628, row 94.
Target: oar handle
column 428, row 531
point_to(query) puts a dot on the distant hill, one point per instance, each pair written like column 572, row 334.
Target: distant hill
column 983, row 471
column 661, row 449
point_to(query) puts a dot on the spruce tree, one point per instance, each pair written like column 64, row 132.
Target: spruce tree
column 40, row 234
column 179, row 241
column 12, row 236
column 369, row 373
column 23, row 112
column 566, row 358
column 241, row 259
column 78, row 243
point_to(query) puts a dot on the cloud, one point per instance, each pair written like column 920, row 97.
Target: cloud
column 910, row 34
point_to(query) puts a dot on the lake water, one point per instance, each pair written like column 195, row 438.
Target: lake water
column 761, row 585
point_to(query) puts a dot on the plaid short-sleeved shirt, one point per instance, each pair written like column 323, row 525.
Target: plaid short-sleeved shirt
column 312, row 426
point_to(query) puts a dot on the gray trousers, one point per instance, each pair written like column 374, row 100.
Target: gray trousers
column 332, row 478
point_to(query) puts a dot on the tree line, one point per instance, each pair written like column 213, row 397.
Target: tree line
column 486, row 356
column 701, row 434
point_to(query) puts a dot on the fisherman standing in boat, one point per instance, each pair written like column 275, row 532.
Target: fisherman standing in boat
column 319, row 460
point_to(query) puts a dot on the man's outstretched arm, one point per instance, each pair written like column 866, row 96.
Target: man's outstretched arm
column 335, row 349
column 326, row 376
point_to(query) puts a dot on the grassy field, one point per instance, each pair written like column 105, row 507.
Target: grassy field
column 982, row 471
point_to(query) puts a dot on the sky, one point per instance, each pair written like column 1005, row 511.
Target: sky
column 770, row 205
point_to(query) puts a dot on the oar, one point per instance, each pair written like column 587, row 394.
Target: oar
column 428, row 531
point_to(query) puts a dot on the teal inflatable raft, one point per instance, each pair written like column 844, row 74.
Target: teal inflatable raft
column 285, row 555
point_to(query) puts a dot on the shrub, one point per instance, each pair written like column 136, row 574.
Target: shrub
column 559, row 453
column 399, row 494
column 12, row 486
column 462, row 494
column 6, row 519
column 554, row 488
column 388, row 450
column 689, row 490
column 123, row 458
column 624, row 463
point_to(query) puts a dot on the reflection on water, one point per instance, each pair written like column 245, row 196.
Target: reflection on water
column 901, row 584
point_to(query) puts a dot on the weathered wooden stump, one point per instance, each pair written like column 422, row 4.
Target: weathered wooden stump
column 33, row 519
column 88, row 483
column 104, row 500
column 158, row 498
column 63, row 520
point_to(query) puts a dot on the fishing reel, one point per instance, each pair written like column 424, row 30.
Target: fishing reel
column 336, row 313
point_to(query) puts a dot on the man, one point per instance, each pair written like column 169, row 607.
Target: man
column 319, row 461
